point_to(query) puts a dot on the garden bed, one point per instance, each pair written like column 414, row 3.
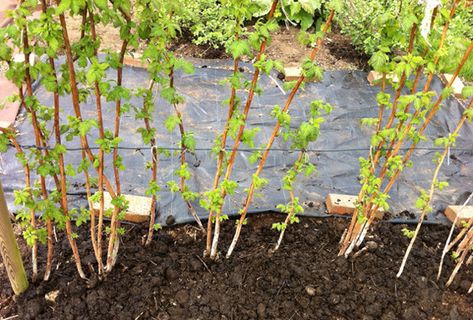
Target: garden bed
column 135, row 106
column 303, row 280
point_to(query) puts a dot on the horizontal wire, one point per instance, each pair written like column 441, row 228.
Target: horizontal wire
column 139, row 148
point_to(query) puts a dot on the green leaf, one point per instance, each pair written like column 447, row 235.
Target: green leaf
column 239, row 48
column 408, row 233
column 102, row 4
column 306, row 20
column 63, row 6
column 336, row 5
column 467, row 92
column 442, row 185
column 188, row 141
column 153, row 188
column 468, row 114
column 310, row 5
column 171, row 122
column 446, row 92
column 309, row 169
column 407, row 21
column 229, row 186
column 77, row 5
column 259, row 182
column 369, row 122
column 70, row 170
column 4, row 142
column 173, row 186
column 184, row 65
column 378, row 60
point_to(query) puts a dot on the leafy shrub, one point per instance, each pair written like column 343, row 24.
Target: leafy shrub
column 301, row 12
column 361, row 21
column 364, row 20
column 211, row 21
column 461, row 33
column 208, row 21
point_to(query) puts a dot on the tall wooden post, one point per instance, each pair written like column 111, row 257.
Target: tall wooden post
column 9, row 250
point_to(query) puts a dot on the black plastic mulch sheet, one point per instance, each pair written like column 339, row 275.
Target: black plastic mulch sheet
column 342, row 141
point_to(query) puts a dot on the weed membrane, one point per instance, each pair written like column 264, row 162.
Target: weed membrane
column 336, row 152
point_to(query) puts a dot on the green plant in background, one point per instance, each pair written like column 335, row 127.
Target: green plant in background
column 366, row 22
column 363, row 21
column 460, row 34
column 304, row 13
column 209, row 22
column 212, row 22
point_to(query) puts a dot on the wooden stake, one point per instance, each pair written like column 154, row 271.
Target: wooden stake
column 9, row 250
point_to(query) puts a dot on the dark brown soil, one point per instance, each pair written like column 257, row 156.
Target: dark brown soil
column 338, row 53
column 303, row 280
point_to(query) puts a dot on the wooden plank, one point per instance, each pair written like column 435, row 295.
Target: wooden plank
column 139, row 208
column 292, row 73
column 134, row 61
column 344, row 204
column 374, row 78
column 464, row 215
column 457, row 84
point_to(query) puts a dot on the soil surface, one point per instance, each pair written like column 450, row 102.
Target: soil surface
column 304, row 279
column 338, row 53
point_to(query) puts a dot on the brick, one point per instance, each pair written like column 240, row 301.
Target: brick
column 10, row 109
column 139, row 208
column 134, row 61
column 375, row 77
column 463, row 215
column 4, row 6
column 292, row 73
column 457, row 84
column 344, row 204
